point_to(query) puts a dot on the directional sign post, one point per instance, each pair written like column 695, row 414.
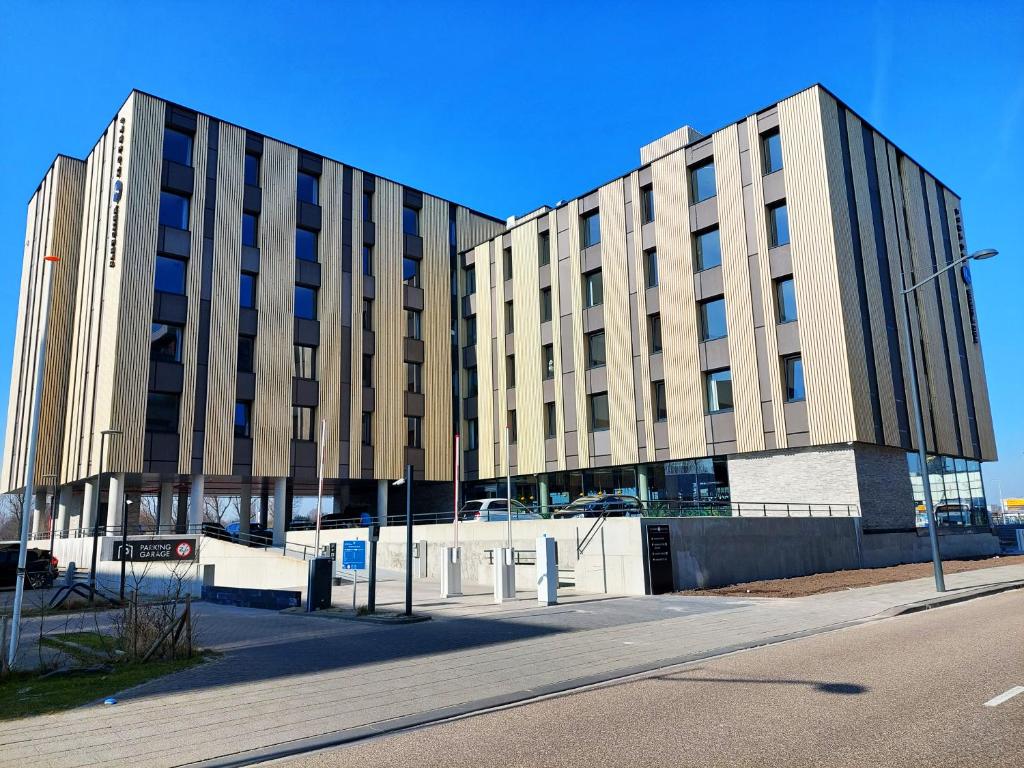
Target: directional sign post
column 353, row 558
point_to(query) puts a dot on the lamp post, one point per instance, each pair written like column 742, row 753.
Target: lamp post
column 922, row 450
column 53, row 510
column 407, row 482
column 96, row 516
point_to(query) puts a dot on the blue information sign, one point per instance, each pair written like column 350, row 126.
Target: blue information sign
column 353, row 554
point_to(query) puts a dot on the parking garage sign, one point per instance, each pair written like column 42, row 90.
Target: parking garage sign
column 150, row 550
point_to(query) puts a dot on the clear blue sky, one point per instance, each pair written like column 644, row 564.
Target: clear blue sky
column 507, row 106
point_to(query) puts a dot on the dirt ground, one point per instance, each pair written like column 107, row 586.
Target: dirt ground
column 801, row 586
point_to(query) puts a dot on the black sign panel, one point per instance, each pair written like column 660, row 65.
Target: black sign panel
column 659, row 559
column 155, row 550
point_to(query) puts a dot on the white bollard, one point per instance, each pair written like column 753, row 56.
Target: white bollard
column 419, row 560
column 547, row 571
column 504, row 575
column 451, row 573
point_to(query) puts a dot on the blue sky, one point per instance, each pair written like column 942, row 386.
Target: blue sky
column 507, row 106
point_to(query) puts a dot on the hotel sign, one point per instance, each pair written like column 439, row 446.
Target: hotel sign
column 115, row 220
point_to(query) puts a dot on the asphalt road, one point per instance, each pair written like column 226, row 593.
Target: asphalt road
column 908, row 691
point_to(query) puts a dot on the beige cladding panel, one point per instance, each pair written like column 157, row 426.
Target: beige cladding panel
column 275, row 302
column 388, row 315
column 578, row 356
column 331, row 306
column 486, row 427
column 529, row 391
column 556, row 314
column 221, row 387
column 499, row 351
column 355, row 455
column 435, row 277
column 736, row 280
column 643, row 385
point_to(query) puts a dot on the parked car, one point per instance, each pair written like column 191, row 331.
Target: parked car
column 303, row 524
column 353, row 516
column 216, row 531
column 611, row 505
column 492, row 510
column 40, row 567
column 258, row 535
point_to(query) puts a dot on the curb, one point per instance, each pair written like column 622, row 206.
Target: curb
column 951, row 599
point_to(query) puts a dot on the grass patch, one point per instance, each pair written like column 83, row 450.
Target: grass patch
column 87, row 647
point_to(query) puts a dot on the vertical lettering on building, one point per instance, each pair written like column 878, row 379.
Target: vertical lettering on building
column 116, row 197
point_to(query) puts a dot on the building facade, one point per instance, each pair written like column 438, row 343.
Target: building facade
column 720, row 323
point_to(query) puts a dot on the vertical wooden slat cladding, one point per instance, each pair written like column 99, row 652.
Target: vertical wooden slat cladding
column 823, row 342
column 275, row 302
column 499, row 352
column 332, row 303
column 486, row 383
column 736, row 283
column 642, row 391
column 556, row 314
column 578, row 356
column 388, row 426
column 529, row 375
column 618, row 336
column 218, row 449
column 355, row 452
column 472, row 229
column 683, row 382
column 435, row 275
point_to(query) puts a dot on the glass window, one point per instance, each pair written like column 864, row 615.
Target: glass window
column 506, row 259
column 302, row 422
column 778, row 225
column 249, row 230
column 647, row 204
column 548, row 361
column 595, row 349
column 651, row 268
column 305, row 302
column 513, row 432
column 367, row 428
column 550, row 420
column 593, row 289
column 414, row 324
column 702, row 182
column 252, row 170
column 177, row 146
column 544, row 248
column 161, row 412
column 794, row 371
column 367, row 206
column 307, row 188
column 712, row 319
column 246, row 353
column 165, row 343
column 707, row 249
column 510, row 317
column 598, row 410
column 414, row 378
column 173, row 210
column 453, row 238
column 368, row 260
column 414, row 432
column 367, row 314
column 170, row 275
column 771, row 152
column 785, row 294
column 470, row 277
column 247, row 291
column 719, row 390
column 304, row 361
column 411, row 272
column 305, row 245
column 472, row 434
column 367, row 370
column 243, row 418
column 654, row 333
column 545, row 305
column 472, row 382
column 510, row 371
column 410, row 220
column 590, row 229
column 658, row 401
column 470, row 331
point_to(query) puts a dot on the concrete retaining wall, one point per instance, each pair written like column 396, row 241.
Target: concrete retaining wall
column 884, row 549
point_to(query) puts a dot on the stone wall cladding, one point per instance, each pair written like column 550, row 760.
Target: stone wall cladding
column 883, row 478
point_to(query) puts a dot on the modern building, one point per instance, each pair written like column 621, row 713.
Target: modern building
column 719, row 324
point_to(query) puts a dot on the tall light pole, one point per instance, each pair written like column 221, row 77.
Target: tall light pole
column 96, row 517
column 407, row 482
column 922, row 449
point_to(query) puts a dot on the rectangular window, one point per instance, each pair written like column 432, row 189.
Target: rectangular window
column 177, row 146
column 305, row 302
column 367, row 428
column 593, row 289
column 470, row 280
column 414, row 324
column 249, row 230
column 778, row 225
column 410, row 220
column 702, row 182
column 252, row 170
column 595, row 349
column 647, row 204
column 544, row 248
column 547, row 361
column 785, row 297
column 472, row 434
column 590, row 229
column 303, row 419
column 771, row 152
column 712, row 319
column 307, row 188
column 367, row 206
column 506, row 260
column 173, row 210
column 719, row 390
column 793, row 369
column 597, row 407
column 513, row 431
column 550, row 421
column 165, row 343
column 246, row 353
column 414, row 378
column 472, row 382
column 243, row 418
column 368, row 260
column 247, row 291
column 510, row 317
column 367, row 370
column 654, row 333
column 707, row 249
column 545, row 305
column 651, row 268
column 170, row 275
column 414, row 432
column 510, row 371
column 658, row 401
column 367, row 314
column 305, row 245
column 161, row 412
column 304, row 361
column 411, row 272
column 470, row 331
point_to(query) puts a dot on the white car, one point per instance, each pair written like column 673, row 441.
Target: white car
column 491, row 510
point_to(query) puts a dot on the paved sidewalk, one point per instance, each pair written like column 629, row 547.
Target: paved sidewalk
column 288, row 682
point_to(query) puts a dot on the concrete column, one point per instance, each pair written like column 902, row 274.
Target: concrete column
column 115, row 502
column 39, row 526
column 382, row 502
column 181, row 517
column 641, row 483
column 64, row 503
column 244, row 508
column 195, row 502
column 165, row 506
column 88, row 507
column 543, row 494
column 264, row 505
column 280, row 502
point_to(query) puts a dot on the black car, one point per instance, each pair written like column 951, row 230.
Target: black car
column 216, row 531
column 40, row 567
column 611, row 505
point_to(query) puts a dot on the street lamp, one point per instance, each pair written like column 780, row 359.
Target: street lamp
column 407, row 482
column 922, row 452
column 96, row 516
